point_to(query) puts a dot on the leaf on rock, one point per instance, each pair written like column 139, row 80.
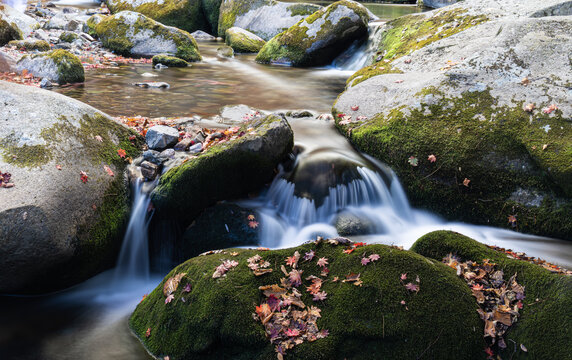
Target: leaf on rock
column 529, row 107
column 108, row 170
column 251, row 217
column 309, row 255
column 172, row 284
column 466, row 182
column 148, row 332
column 319, row 296
column 322, row 262
column 295, row 278
column 293, row 260
column 365, row 261
column 169, row 298
column 98, row 138
column 121, row 153
column 432, row 158
column 59, row 167
column 83, row 176
column 413, row 161
column 253, row 224
column 412, row 287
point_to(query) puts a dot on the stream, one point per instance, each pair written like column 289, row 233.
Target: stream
column 89, row 321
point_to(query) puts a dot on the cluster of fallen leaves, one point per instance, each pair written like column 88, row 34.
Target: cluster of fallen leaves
column 25, row 78
column 5, row 180
column 414, row 161
column 522, row 256
column 141, row 124
column 170, row 287
column 499, row 300
column 258, row 265
column 347, row 119
column 223, row 268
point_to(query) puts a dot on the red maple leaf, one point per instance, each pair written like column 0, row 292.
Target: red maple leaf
column 319, row 296
column 253, row 224
column 273, row 303
column 412, row 287
column 322, row 262
column 83, row 176
column 148, row 332
column 121, row 153
column 292, row 332
column 365, row 261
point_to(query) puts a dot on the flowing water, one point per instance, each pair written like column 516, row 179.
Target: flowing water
column 89, row 321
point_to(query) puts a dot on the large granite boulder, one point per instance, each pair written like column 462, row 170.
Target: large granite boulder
column 183, row 14
column 265, row 18
column 320, row 38
column 373, row 317
column 58, row 66
column 57, row 227
column 131, row 33
column 469, row 105
column 224, row 171
column 14, row 25
column 242, row 41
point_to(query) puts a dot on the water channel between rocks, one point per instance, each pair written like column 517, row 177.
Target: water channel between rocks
column 89, row 321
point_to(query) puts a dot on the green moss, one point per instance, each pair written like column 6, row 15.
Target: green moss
column 115, row 35
column 26, row 155
column 545, row 324
column 499, row 149
column 8, row 32
column 211, row 9
column 440, row 321
column 243, row 43
column 412, row 32
column 230, row 10
column 28, row 45
column 169, row 61
column 302, row 9
column 70, row 69
column 68, row 37
column 225, row 171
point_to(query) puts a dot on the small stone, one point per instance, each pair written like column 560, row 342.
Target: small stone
column 167, row 154
column 183, row 145
column 216, row 135
column 161, row 67
column 196, row 148
column 152, row 156
column 149, row 170
column 46, row 84
column 160, row 137
column 153, row 84
column 87, row 37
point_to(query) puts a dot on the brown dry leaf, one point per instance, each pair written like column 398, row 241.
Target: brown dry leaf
column 544, row 146
column 275, row 290
column 502, row 317
column 525, row 81
column 260, row 272
column 529, row 107
column 172, row 284
column 490, row 329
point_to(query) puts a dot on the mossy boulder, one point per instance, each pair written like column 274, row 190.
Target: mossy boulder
column 492, row 113
column 31, row 45
column 319, row 38
column 364, row 322
column 545, row 324
column 224, row 171
column 218, row 227
column 14, row 25
column 68, row 36
column 169, row 61
column 131, row 34
column 265, row 18
column 59, row 66
column 56, row 230
column 92, row 22
column 243, row 41
column 183, row 14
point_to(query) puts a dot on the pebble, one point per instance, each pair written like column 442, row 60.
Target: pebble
column 196, row 148
column 153, row 84
column 161, row 66
column 46, row 84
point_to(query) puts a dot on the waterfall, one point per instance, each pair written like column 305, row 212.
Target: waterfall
column 19, row 5
column 133, row 259
column 359, row 55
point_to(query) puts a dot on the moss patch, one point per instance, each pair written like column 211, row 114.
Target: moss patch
column 68, row 37
column 440, row 322
column 70, row 69
column 499, row 149
column 169, row 61
column 8, row 32
column 242, row 42
column 27, row 45
column 545, row 324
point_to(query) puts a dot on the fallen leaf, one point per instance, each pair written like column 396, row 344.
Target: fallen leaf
column 83, row 176
column 413, row 161
column 169, row 298
column 550, row 109
column 148, row 332
column 187, row 288
column 374, row 257
column 121, row 153
column 412, row 287
column 432, row 158
column 512, row 220
column 292, row 332
column 529, row 107
column 293, row 260
column 525, row 81
column 398, row 81
column 309, row 255
column 403, row 277
column 523, row 348
column 320, row 296
column 251, row 217
column 253, row 224
column 322, row 262
column 59, row 167
column 108, row 170
column 295, row 277
column 544, row 146
column 365, row 261
column 355, row 108
column 466, row 182
column 407, row 61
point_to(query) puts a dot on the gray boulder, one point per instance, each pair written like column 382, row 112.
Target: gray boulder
column 131, row 33
column 203, row 36
column 265, row 18
column 493, row 112
column 160, row 137
column 59, row 66
column 15, row 25
column 320, row 38
column 55, row 229
column 66, row 21
column 435, row 4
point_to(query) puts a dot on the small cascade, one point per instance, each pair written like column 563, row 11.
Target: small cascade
column 360, row 55
column 19, row 5
column 133, row 262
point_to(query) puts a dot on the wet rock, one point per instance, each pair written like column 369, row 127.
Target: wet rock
column 320, row 38
column 183, row 145
column 149, row 170
column 265, row 18
column 152, row 156
column 225, row 51
column 130, row 33
column 160, row 137
column 87, row 37
column 72, row 230
column 63, row 46
column 167, row 154
column 242, row 41
column 160, row 67
column 153, row 84
column 59, row 66
column 238, row 113
column 196, row 148
column 297, row 114
column 348, row 224
column 203, row 36
column 66, row 21
column 169, row 61
column 41, row 34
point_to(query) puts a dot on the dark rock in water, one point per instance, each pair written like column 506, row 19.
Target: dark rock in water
column 149, row 170
column 160, row 137
column 219, row 227
column 152, row 156
column 297, row 114
column 170, row 61
column 348, row 224
column 183, row 145
column 153, row 84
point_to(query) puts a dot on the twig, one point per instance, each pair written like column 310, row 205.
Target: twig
column 428, row 347
column 433, row 172
column 383, row 326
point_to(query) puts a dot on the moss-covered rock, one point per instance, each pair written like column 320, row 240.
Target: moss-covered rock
column 183, row 14
column 30, row 45
column 364, row 322
column 496, row 155
column 545, row 324
column 59, row 66
column 319, row 38
column 56, row 230
column 68, row 36
column 265, row 18
column 132, row 34
column 225, row 51
column 224, row 171
column 14, row 25
column 92, row 22
column 243, row 41
column 169, row 61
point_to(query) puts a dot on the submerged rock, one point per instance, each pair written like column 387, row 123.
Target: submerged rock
column 225, row 171
column 225, row 51
column 320, row 38
column 243, row 41
column 130, row 33
column 378, row 318
column 55, row 229
column 265, row 18
column 495, row 122
column 59, row 66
